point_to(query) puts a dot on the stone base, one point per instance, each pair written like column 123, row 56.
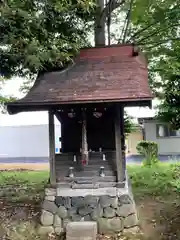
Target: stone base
column 112, row 208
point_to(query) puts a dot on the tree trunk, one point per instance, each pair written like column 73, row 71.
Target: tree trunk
column 99, row 28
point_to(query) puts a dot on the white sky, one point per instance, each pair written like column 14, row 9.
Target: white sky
column 11, row 87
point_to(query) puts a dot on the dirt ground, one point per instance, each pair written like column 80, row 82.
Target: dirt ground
column 160, row 218
column 26, row 166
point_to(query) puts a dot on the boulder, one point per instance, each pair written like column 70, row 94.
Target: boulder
column 46, row 218
column 62, row 212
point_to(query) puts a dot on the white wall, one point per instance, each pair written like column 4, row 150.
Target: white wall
column 26, row 141
column 167, row 145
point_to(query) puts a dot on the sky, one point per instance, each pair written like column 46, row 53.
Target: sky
column 11, row 88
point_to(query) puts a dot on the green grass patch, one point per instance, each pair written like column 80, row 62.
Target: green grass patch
column 23, row 186
column 158, row 180
column 25, row 177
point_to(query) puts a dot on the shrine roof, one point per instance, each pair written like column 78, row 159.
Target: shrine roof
column 116, row 73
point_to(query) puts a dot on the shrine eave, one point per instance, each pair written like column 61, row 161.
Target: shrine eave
column 97, row 75
column 17, row 107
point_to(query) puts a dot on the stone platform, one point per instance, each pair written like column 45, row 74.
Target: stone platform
column 113, row 209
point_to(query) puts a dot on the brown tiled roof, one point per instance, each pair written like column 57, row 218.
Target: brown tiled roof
column 117, row 73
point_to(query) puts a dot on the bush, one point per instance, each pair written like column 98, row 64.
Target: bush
column 150, row 152
column 157, row 180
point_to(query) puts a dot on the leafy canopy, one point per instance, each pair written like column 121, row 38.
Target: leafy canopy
column 41, row 35
column 38, row 36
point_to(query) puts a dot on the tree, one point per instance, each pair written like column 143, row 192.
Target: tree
column 169, row 110
column 40, row 35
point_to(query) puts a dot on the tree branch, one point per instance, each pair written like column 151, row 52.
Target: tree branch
column 155, row 32
column 159, row 43
column 142, row 30
column 111, row 6
column 128, row 21
column 145, row 38
column 150, row 25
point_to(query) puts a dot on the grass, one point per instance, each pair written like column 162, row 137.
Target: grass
column 156, row 180
column 27, row 187
column 25, row 177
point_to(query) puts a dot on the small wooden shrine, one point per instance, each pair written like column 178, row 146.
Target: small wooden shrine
column 88, row 98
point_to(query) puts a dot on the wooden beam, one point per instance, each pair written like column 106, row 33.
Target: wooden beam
column 118, row 138
column 52, row 148
column 123, row 137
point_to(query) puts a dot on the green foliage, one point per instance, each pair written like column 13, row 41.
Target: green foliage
column 128, row 123
column 149, row 150
column 41, row 35
column 169, row 110
column 159, row 180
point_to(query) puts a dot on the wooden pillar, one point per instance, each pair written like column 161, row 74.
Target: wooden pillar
column 84, row 138
column 118, row 138
column 123, row 138
column 52, row 148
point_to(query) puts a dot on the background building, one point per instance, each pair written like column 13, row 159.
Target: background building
column 26, row 139
column 168, row 140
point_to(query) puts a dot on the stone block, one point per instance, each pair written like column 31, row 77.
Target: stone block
column 50, row 192
column 46, row 218
column 125, row 199
column 59, row 201
column 50, row 206
column 58, row 230
column 50, row 198
column 81, row 231
column 91, row 201
column 72, row 211
column 110, row 226
column 76, row 217
column 67, row 202
column 107, row 201
column 66, row 192
column 116, row 224
column 62, row 212
column 114, row 202
column 131, row 221
column 83, row 211
column 103, row 226
column 87, row 218
column 97, row 213
column 63, row 201
column 125, row 210
column 109, row 212
column 65, row 222
column 57, row 221
column 104, row 201
column 77, row 202
column 44, row 230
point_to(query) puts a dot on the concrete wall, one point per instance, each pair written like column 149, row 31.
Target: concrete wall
column 167, row 145
column 132, row 140
column 26, row 141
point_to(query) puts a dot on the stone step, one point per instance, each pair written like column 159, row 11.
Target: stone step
column 90, row 179
column 90, row 162
column 85, row 173
column 90, row 168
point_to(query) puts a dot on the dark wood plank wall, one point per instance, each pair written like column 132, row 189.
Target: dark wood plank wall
column 100, row 132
